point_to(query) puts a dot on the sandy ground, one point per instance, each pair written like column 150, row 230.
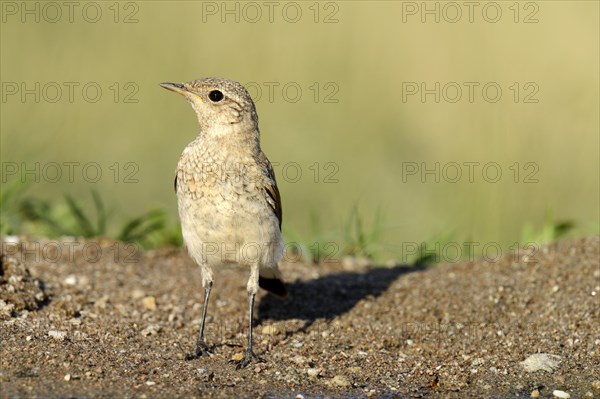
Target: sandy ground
column 98, row 319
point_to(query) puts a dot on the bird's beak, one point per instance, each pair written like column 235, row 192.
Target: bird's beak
column 176, row 87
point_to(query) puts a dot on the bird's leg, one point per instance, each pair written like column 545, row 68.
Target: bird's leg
column 249, row 357
column 201, row 347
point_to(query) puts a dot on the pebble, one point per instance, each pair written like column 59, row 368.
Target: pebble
column 596, row 387
column 352, row 262
column 340, row 381
column 152, row 329
column 541, row 361
column 67, row 377
column 12, row 240
column 561, row 394
column 270, row 330
column 102, row 302
column 313, row 372
column 237, row 357
column 137, row 293
column 205, row 374
column 71, row 279
column 299, row 360
column 150, row 383
column 6, row 309
column 58, row 335
column 149, row 302
column 535, row 393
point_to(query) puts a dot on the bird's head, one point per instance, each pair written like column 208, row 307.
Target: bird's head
column 222, row 106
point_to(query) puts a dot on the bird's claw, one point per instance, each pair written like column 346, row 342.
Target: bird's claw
column 201, row 349
column 249, row 357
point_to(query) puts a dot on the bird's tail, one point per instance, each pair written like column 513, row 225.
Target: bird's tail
column 269, row 278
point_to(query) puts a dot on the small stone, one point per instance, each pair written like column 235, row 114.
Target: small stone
column 13, row 240
column 71, row 279
column 102, row 302
column 6, row 310
column 541, row 361
column 561, row 394
column 270, row 330
column 313, row 372
column 340, row 381
column 237, row 357
column 67, row 377
column 152, row 329
column 535, row 393
column 149, row 302
column 58, row 335
column 299, row 397
column 137, row 294
column 28, row 338
column 150, row 383
column 353, row 262
column 299, row 360
column 596, row 387
column 205, row 375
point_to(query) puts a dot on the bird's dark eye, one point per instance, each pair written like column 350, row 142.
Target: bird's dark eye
column 215, row 96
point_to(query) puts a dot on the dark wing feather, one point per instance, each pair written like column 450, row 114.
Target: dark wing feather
column 175, row 184
column 270, row 186
column 273, row 285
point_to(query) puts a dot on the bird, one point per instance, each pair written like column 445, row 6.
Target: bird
column 227, row 197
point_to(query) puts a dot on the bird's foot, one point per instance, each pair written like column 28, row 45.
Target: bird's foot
column 248, row 358
column 201, row 349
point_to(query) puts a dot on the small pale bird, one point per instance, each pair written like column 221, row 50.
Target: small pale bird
column 228, row 200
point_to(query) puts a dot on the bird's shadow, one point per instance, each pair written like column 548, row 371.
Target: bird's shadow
column 331, row 295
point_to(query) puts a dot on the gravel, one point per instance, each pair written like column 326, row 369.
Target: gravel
column 121, row 323
column 541, row 361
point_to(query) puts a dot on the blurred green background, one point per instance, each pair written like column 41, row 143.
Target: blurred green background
column 354, row 122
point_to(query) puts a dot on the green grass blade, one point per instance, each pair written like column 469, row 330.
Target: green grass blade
column 100, row 214
column 82, row 221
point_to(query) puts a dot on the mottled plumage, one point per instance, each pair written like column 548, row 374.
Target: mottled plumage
column 228, row 200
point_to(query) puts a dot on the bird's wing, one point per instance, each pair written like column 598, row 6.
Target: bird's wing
column 269, row 185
